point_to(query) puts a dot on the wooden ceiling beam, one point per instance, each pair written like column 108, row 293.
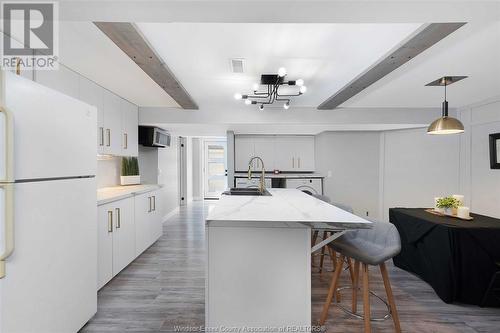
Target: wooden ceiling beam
column 133, row 44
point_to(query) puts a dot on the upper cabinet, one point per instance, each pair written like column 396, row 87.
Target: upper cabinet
column 93, row 94
column 130, row 129
column 117, row 119
column 283, row 153
column 112, row 124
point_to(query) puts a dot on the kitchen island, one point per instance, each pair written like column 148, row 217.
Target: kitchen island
column 259, row 258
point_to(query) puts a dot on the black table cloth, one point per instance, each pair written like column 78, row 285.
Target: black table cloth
column 456, row 257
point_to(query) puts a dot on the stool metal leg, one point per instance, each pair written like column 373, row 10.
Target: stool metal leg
column 331, row 291
column 366, row 298
column 390, row 297
column 355, row 287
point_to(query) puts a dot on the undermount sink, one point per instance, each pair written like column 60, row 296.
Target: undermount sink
column 246, row 191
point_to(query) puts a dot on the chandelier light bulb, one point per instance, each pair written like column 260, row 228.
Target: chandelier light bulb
column 281, row 72
column 248, row 102
column 255, row 86
column 299, row 82
column 303, row 89
column 238, row 96
column 286, row 106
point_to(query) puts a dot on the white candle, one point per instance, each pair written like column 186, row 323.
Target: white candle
column 463, row 212
column 459, row 197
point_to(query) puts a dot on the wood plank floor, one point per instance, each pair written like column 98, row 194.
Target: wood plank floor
column 164, row 288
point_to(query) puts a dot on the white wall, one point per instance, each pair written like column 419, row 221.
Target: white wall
column 479, row 183
column 108, row 171
column 168, row 175
column 352, row 158
column 197, row 150
column 148, row 164
column 416, row 168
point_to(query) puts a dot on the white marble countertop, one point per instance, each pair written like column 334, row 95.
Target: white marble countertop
column 109, row 194
column 284, row 205
column 256, row 174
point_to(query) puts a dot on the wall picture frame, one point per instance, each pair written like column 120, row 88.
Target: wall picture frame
column 495, row 151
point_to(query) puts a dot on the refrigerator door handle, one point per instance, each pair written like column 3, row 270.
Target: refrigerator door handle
column 8, row 226
column 8, row 162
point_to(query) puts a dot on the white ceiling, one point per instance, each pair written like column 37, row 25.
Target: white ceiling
column 85, row 49
column 473, row 50
column 326, row 56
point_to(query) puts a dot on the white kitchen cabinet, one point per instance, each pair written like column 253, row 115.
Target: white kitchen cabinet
column 130, row 135
column 285, row 159
column 264, row 147
column 91, row 93
column 148, row 220
column 123, row 234
column 244, row 150
column 116, row 239
column 143, row 206
column 104, row 244
column 156, row 216
column 304, row 153
column 112, row 124
column 282, row 152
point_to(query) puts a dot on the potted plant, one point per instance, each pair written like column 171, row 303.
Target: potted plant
column 130, row 171
column 447, row 205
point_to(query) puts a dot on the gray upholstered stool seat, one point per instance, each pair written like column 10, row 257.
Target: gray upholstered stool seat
column 370, row 246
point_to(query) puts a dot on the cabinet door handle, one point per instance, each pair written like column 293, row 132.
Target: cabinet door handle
column 149, row 198
column 101, row 134
column 293, row 162
column 125, row 141
column 108, row 136
column 298, row 161
column 110, row 221
column 118, row 218
column 154, row 202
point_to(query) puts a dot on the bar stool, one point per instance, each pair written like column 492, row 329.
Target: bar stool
column 326, row 234
column 369, row 247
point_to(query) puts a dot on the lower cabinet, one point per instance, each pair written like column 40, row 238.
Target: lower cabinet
column 148, row 220
column 126, row 228
column 116, row 238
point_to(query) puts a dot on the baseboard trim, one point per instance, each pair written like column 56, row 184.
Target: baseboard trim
column 170, row 214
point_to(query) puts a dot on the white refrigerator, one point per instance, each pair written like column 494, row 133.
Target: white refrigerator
column 48, row 213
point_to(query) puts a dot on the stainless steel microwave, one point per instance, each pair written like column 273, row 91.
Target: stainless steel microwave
column 151, row 136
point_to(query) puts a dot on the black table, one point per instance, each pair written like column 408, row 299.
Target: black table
column 456, row 257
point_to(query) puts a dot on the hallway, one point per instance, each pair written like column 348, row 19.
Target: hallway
column 164, row 288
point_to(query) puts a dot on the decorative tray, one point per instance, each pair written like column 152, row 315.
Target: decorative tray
column 435, row 212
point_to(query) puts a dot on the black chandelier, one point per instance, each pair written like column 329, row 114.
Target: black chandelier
column 273, row 82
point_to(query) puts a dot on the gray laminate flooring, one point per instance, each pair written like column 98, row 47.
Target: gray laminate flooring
column 164, row 288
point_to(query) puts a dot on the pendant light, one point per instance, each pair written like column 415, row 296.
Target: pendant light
column 445, row 124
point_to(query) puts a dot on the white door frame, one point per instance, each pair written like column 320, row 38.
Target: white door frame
column 206, row 142
column 182, row 171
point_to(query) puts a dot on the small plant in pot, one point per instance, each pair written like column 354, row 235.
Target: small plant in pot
column 130, row 171
column 447, row 205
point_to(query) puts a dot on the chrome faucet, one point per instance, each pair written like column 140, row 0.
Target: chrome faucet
column 262, row 186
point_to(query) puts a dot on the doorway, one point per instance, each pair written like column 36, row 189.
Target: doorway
column 214, row 168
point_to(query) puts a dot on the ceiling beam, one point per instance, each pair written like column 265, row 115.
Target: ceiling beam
column 407, row 50
column 130, row 41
